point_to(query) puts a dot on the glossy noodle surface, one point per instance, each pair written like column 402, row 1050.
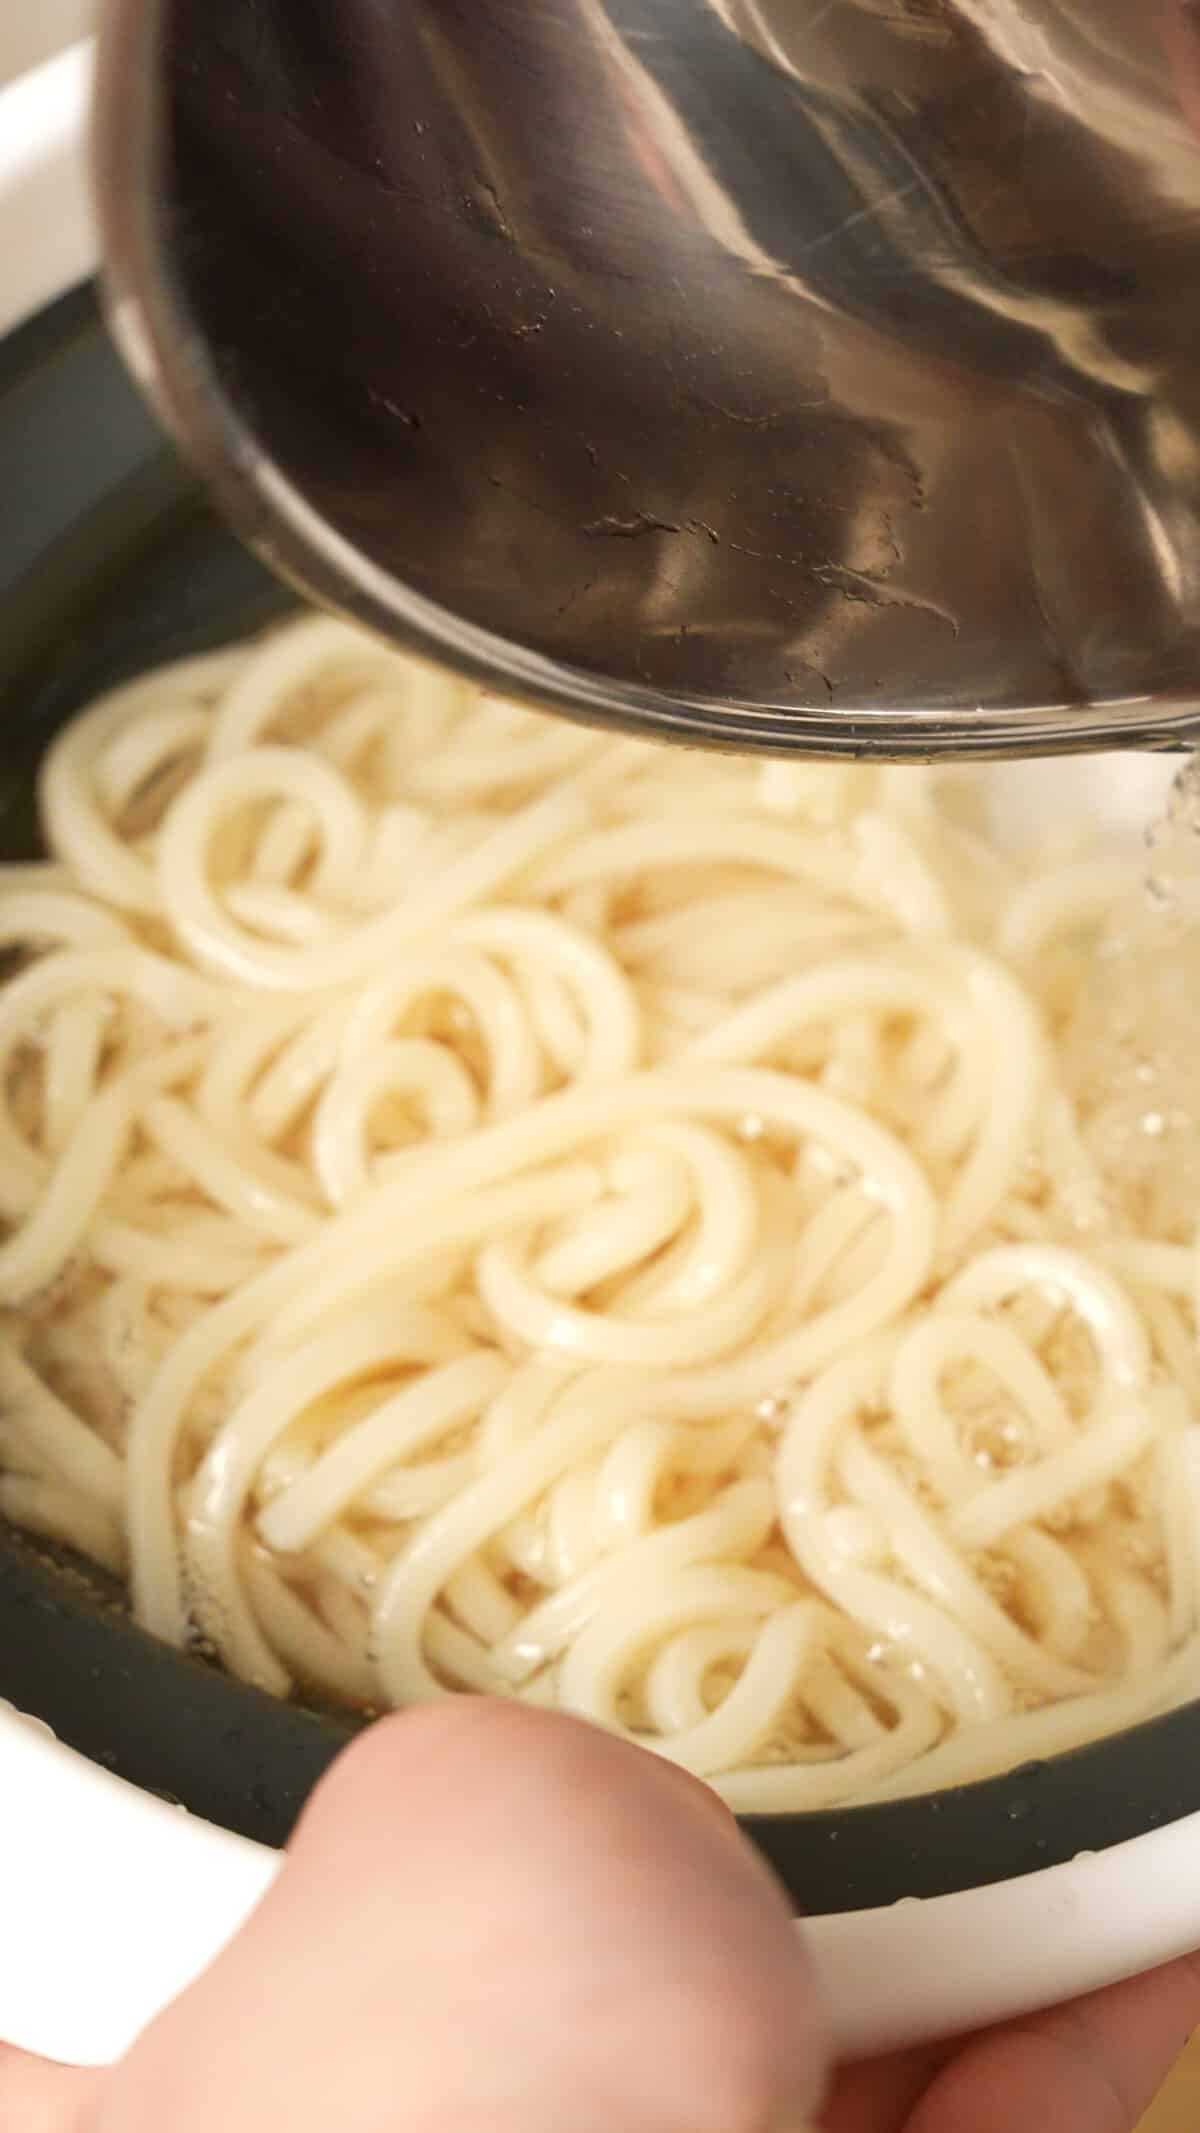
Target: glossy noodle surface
column 492, row 1206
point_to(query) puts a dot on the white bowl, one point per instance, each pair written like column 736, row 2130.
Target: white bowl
column 29, row 35
column 113, row 1902
column 47, row 239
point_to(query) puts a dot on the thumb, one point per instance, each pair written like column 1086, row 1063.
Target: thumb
column 38, row 2098
column 492, row 1916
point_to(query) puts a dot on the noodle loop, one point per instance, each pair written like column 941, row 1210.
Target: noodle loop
column 491, row 1206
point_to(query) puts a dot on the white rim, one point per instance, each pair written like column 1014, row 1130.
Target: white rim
column 113, row 1902
column 47, row 236
column 152, row 1894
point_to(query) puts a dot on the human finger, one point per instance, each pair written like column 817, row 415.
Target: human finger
column 503, row 1917
column 1091, row 2067
column 36, row 2097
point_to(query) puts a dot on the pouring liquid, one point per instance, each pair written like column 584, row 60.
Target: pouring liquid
column 1133, row 1042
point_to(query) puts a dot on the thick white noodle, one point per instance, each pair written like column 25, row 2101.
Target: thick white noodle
column 490, row 1206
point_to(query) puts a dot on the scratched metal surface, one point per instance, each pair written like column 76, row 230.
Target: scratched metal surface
column 783, row 371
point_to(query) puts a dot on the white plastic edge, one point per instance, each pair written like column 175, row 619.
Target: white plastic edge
column 112, row 1903
column 47, row 233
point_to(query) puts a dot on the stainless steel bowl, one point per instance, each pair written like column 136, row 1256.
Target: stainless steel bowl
column 764, row 372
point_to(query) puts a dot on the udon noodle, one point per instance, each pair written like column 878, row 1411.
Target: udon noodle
column 494, row 1206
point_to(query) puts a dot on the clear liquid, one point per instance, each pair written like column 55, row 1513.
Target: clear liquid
column 1133, row 1045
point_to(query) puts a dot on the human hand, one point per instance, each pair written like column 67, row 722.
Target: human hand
column 1092, row 2067
column 499, row 1920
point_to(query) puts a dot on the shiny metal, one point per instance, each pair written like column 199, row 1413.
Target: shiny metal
column 788, row 373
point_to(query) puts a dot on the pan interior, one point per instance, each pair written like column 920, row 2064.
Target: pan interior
column 112, row 562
